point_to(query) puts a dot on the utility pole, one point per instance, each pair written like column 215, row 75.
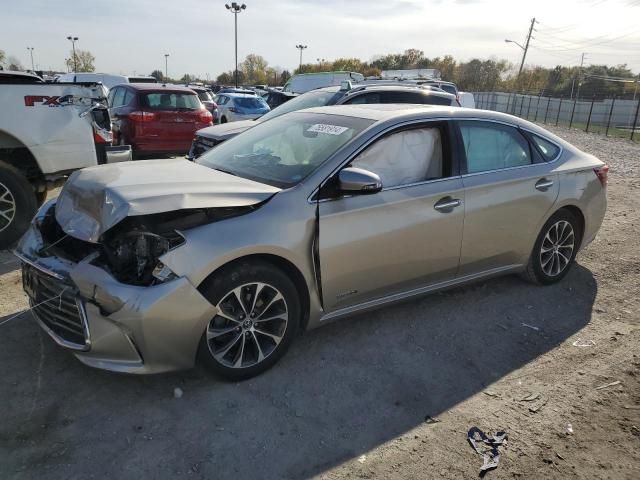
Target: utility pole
column 580, row 76
column 31, row 51
column 301, row 48
column 526, row 45
column 166, row 67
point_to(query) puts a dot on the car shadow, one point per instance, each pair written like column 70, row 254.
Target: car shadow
column 340, row 391
column 8, row 262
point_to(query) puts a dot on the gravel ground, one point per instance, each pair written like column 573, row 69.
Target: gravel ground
column 386, row 395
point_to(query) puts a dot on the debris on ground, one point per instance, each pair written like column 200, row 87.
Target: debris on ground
column 429, row 419
column 530, row 398
column 537, row 407
column 177, row 392
column 580, row 343
column 569, row 428
column 537, row 329
column 491, row 456
column 612, row 384
column 362, row 458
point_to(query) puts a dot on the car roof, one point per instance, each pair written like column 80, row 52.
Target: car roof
column 240, row 95
column 156, row 87
column 400, row 88
column 409, row 111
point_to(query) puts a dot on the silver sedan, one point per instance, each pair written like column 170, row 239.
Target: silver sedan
column 149, row 266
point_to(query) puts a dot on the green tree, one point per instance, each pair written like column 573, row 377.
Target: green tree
column 83, row 61
column 254, row 67
column 158, row 75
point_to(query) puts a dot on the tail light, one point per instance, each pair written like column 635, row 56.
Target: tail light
column 141, row 116
column 102, row 136
column 205, row 116
column 603, row 174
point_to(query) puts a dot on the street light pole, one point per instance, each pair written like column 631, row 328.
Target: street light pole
column 73, row 41
column 524, row 48
column 301, row 48
column 31, row 51
column 235, row 8
column 166, row 67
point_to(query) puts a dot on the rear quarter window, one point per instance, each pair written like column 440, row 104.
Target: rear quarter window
column 547, row 149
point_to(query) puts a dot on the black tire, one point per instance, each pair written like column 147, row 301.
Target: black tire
column 223, row 120
column 219, row 288
column 537, row 271
column 16, row 190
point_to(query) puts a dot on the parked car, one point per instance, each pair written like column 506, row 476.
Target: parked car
column 313, row 216
column 275, row 98
column 142, row 79
column 304, row 82
column 156, row 118
column 206, row 97
column 240, row 106
column 108, row 80
column 344, row 95
column 47, row 130
column 245, row 91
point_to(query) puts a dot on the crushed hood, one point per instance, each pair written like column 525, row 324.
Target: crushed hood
column 96, row 198
column 225, row 131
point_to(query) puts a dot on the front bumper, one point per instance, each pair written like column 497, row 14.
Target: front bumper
column 129, row 328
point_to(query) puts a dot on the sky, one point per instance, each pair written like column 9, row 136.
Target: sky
column 132, row 36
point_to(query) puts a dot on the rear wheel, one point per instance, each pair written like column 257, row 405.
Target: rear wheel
column 258, row 314
column 555, row 249
column 18, row 205
column 223, row 120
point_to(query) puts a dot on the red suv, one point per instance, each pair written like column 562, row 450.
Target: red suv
column 155, row 118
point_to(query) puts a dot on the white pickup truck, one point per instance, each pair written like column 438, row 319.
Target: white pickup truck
column 47, row 130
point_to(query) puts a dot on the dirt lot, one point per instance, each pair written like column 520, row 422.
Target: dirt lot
column 350, row 400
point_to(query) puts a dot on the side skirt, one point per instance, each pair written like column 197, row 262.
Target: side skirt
column 409, row 294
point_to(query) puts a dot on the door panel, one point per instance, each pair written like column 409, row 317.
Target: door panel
column 395, row 240
column 503, row 213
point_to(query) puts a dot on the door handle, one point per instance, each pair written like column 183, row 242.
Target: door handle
column 447, row 203
column 543, row 184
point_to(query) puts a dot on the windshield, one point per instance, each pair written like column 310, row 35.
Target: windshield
column 171, row 101
column 251, row 103
column 286, row 150
column 307, row 100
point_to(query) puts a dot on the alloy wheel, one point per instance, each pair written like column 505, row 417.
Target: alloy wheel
column 7, row 207
column 250, row 323
column 557, row 247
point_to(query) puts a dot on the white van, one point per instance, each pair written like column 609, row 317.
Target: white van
column 303, row 82
column 106, row 79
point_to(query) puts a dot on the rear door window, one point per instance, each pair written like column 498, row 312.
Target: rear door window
column 370, row 97
column 128, row 96
column 171, row 101
column 493, row 146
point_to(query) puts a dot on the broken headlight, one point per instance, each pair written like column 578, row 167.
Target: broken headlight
column 133, row 258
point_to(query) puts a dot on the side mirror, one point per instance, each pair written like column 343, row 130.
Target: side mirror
column 358, row 180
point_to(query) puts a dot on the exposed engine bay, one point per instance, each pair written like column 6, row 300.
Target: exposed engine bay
column 130, row 251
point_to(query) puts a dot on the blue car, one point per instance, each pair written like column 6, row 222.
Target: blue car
column 240, row 106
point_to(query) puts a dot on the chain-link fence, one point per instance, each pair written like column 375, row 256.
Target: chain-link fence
column 611, row 117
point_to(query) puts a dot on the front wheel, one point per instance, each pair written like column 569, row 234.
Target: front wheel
column 18, row 205
column 258, row 314
column 555, row 249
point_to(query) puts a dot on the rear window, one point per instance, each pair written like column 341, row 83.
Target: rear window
column 449, row 89
column 548, row 150
column 205, row 96
column 250, row 102
column 171, row 101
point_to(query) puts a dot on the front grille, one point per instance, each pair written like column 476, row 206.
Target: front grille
column 55, row 304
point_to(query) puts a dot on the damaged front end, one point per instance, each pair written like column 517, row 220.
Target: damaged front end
column 93, row 270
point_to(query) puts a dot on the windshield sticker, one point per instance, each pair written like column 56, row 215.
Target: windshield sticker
column 330, row 129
